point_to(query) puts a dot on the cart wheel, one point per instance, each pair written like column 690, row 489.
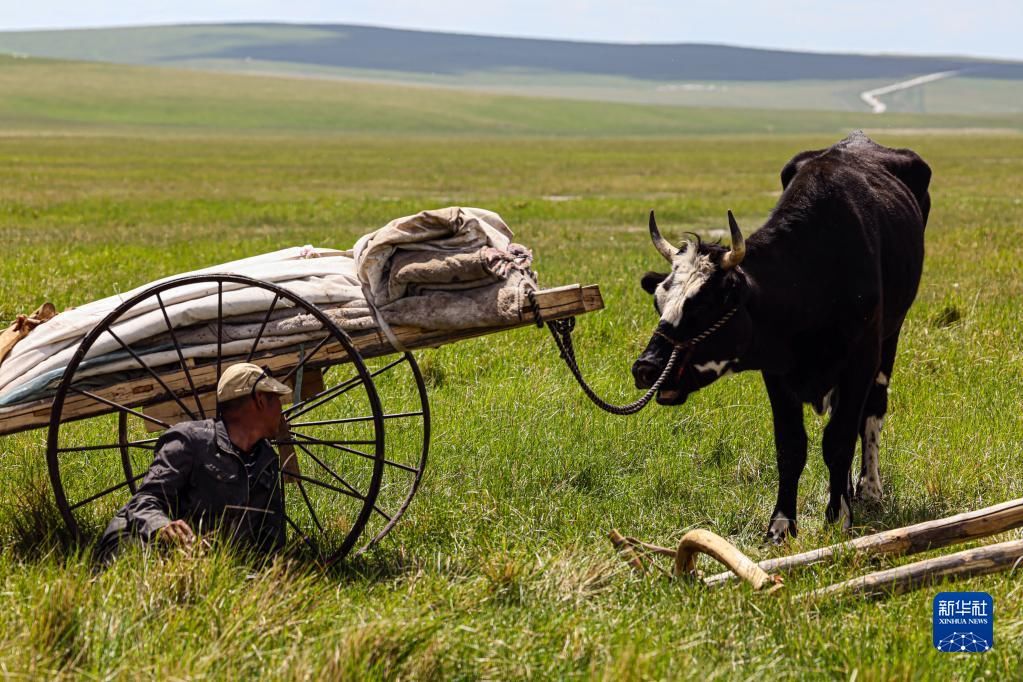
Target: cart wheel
column 403, row 395
column 102, row 437
column 402, row 392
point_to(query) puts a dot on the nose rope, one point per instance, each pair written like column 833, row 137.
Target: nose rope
column 702, row 335
column 561, row 330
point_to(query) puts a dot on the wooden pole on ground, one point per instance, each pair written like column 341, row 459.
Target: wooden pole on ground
column 980, row 561
column 919, row 537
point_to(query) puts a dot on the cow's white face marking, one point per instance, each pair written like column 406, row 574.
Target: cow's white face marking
column 869, row 486
column 719, row 367
column 689, row 272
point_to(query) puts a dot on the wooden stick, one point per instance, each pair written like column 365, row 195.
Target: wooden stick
column 696, row 542
column 704, row 542
column 971, row 562
column 919, row 537
column 627, row 549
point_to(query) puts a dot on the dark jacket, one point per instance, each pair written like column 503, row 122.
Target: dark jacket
column 200, row 476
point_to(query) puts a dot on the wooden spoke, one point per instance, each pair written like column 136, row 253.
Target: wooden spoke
column 142, row 444
column 262, row 327
column 316, row 441
column 338, row 477
column 113, row 488
column 399, row 465
column 342, row 448
column 360, row 453
column 119, row 407
column 159, row 380
column 309, row 505
column 305, row 538
column 220, row 326
column 353, row 420
column 329, row 470
column 181, row 355
column 307, row 358
column 329, row 394
column 322, row 397
column 328, row 486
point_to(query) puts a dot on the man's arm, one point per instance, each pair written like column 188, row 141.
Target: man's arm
column 150, row 507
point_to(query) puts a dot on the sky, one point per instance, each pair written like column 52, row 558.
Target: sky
column 982, row 28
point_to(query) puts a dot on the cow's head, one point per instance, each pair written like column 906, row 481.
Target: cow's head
column 705, row 291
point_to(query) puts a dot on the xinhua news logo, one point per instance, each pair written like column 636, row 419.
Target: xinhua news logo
column 964, row 622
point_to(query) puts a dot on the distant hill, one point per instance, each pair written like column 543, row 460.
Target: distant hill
column 686, row 74
column 44, row 96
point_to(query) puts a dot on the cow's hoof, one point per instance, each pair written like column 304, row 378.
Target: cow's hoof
column 839, row 512
column 868, row 489
column 780, row 529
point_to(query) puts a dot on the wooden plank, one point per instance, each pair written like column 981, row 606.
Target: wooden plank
column 312, row 383
column 1002, row 556
column 592, row 300
column 557, row 303
column 919, row 537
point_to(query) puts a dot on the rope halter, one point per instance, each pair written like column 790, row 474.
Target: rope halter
column 691, row 343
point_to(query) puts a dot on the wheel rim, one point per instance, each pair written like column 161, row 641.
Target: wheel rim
column 96, row 463
column 406, row 405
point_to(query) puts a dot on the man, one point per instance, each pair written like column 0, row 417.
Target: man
column 218, row 474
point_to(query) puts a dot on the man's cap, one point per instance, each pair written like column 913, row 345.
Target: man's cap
column 244, row 379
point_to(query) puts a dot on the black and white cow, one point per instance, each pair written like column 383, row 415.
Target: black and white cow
column 814, row 300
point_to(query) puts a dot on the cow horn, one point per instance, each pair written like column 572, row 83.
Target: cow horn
column 738, row 250
column 660, row 243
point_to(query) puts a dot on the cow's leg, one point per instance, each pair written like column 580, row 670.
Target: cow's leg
column 790, row 445
column 869, row 485
column 841, row 433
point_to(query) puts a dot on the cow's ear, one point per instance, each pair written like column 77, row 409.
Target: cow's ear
column 907, row 166
column 736, row 290
column 792, row 167
column 651, row 280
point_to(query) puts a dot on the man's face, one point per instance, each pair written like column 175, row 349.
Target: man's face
column 268, row 406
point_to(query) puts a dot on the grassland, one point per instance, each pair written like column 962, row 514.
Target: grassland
column 964, row 95
column 91, row 99
column 111, row 177
column 714, row 76
column 820, row 95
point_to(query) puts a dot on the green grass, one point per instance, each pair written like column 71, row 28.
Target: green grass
column 963, row 95
column 501, row 568
column 83, row 98
column 960, row 96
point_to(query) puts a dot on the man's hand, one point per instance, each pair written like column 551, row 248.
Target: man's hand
column 176, row 533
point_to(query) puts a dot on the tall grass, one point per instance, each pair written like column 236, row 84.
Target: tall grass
column 501, row 568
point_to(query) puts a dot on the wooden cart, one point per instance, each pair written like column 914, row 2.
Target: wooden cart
column 348, row 484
